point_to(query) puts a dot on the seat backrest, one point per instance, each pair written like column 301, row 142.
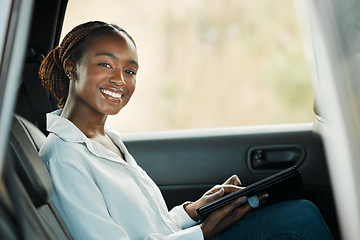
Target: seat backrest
column 32, row 185
column 37, row 137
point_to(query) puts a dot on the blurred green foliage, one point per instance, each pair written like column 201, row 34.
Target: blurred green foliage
column 210, row 63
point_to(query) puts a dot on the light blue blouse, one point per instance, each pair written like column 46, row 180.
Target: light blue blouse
column 100, row 196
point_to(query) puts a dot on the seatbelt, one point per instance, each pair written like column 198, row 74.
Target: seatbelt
column 59, row 219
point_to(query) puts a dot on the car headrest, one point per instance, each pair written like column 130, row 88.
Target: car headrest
column 31, row 170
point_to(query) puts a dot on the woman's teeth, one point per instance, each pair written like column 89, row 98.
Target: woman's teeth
column 112, row 94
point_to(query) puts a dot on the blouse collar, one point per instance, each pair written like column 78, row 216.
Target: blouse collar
column 68, row 132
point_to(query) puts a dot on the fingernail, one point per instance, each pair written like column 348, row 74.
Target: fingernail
column 241, row 200
column 221, row 191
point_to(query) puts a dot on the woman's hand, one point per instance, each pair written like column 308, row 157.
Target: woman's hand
column 221, row 219
column 231, row 185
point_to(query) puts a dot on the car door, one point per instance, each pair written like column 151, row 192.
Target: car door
column 187, row 163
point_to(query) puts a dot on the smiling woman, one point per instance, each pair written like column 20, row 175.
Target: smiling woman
column 202, row 64
column 112, row 192
column 210, row 63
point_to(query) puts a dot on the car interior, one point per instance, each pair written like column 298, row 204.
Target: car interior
column 253, row 153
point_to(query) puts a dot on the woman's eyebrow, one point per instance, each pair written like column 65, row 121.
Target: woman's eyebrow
column 105, row 54
column 134, row 62
column 114, row 57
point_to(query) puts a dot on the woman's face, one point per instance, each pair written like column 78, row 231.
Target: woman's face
column 106, row 76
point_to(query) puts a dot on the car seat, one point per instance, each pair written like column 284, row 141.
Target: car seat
column 29, row 185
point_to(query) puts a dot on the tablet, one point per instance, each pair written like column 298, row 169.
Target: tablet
column 279, row 183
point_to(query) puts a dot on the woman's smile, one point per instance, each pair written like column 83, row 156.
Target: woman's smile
column 112, row 95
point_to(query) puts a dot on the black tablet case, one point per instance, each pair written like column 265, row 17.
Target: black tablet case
column 279, row 183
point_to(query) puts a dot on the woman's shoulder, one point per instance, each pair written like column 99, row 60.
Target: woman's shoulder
column 57, row 149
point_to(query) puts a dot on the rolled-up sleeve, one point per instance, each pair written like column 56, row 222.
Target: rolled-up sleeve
column 181, row 218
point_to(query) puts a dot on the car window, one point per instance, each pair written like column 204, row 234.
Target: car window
column 206, row 64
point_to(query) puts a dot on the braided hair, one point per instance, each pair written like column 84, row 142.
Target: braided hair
column 74, row 45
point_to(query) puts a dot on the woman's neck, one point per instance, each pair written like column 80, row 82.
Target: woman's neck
column 89, row 122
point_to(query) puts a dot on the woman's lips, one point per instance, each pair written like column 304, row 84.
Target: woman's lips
column 111, row 94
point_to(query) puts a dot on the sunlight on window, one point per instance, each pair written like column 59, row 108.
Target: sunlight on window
column 209, row 63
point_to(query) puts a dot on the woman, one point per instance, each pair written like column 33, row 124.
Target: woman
column 99, row 190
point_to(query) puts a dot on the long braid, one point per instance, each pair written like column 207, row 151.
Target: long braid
column 51, row 70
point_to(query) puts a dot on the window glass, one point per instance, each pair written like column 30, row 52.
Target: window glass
column 209, row 63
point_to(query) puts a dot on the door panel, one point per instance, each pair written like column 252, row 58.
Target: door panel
column 195, row 158
column 186, row 163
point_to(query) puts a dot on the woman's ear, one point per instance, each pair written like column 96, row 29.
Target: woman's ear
column 70, row 68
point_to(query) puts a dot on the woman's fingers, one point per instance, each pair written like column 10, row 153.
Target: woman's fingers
column 233, row 180
column 216, row 195
column 227, row 189
column 231, row 188
column 237, row 209
column 228, row 209
column 241, row 211
column 223, row 218
column 238, row 203
column 233, row 184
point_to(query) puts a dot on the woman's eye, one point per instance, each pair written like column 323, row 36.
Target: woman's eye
column 105, row 65
column 130, row 72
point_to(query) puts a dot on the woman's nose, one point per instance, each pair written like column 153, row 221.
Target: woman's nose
column 118, row 79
